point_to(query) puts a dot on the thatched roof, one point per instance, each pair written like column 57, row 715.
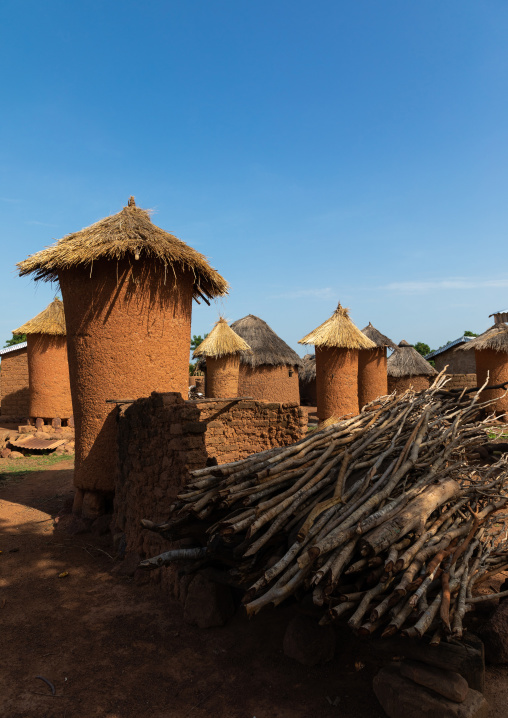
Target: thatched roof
column 380, row 340
column 50, row 321
column 495, row 338
column 222, row 341
column 338, row 331
column 267, row 347
column 405, row 361
column 308, row 371
column 130, row 233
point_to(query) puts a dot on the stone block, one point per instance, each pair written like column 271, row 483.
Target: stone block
column 207, row 603
column 307, row 642
column 15, row 455
column 195, row 427
column 449, row 684
column 5, row 453
column 494, row 634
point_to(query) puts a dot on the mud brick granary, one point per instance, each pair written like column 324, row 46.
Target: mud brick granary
column 222, row 349
column 337, row 343
column 270, row 372
column 491, row 354
column 407, row 368
column 48, row 368
column 14, row 389
column 372, row 370
column 127, row 288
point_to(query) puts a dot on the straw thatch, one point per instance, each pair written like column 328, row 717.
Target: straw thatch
column 130, row 233
column 266, row 346
column 338, row 331
column 222, row 341
column 380, row 340
column 308, row 371
column 405, row 361
column 494, row 338
column 50, row 321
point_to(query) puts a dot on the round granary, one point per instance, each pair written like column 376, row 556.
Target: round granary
column 408, row 369
column 403, row 383
column 222, row 375
column 372, row 367
column 491, row 355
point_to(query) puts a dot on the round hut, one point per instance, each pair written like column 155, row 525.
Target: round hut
column 372, row 370
column 491, row 355
column 408, row 369
column 270, row 372
column 127, row 288
column 338, row 342
column 222, row 349
column 48, row 367
column 307, row 380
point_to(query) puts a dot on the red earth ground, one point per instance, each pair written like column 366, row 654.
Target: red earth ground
column 114, row 649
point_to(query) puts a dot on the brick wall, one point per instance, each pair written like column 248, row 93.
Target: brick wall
column 458, row 361
column 461, row 381
column 162, row 437
column 15, row 394
column 269, row 383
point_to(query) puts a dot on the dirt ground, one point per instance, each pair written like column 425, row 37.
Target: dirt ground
column 117, row 650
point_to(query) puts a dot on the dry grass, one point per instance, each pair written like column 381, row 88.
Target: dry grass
column 380, row 340
column 222, row 341
column 338, row 331
column 50, row 321
column 405, row 361
column 267, row 348
column 495, row 338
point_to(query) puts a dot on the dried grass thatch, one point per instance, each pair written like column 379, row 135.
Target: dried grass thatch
column 267, row 347
column 222, row 341
column 494, row 338
column 338, row 331
column 130, row 233
column 308, row 371
column 405, row 361
column 380, row 340
column 50, row 321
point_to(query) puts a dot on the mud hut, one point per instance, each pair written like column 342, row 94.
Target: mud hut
column 127, row 287
column 338, row 342
column 222, row 349
column 14, row 389
column 270, row 373
column 307, row 380
column 491, row 355
column 48, row 367
column 406, row 369
column 372, row 371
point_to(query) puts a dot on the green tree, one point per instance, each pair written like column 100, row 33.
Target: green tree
column 16, row 339
column 196, row 341
column 467, row 333
column 422, row 348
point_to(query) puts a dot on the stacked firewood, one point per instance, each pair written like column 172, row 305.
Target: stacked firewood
column 388, row 519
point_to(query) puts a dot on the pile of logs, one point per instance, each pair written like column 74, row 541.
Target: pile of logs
column 388, row 519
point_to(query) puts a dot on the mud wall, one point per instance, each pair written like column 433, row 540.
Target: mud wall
column 496, row 365
column 14, row 386
column 336, row 382
column 269, row 383
column 459, row 362
column 372, row 376
column 403, row 383
column 461, row 381
column 50, row 391
column 222, row 376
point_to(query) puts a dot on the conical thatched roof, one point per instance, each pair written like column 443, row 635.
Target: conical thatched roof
column 380, row 340
column 130, row 233
column 50, row 321
column 405, row 361
column 495, row 338
column 267, row 347
column 308, row 371
column 338, row 331
column 222, row 341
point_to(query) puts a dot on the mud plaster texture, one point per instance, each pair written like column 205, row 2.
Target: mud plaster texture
column 372, row 376
column 222, row 376
column 128, row 334
column 496, row 365
column 48, row 371
column 458, row 362
column 461, row 381
column 162, row 438
column 269, row 383
column 308, row 393
column 336, row 382
column 400, row 384
column 14, row 387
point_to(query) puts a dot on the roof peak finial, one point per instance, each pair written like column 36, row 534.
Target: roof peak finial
column 131, row 202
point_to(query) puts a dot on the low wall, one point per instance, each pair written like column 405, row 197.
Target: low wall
column 162, row 437
column 461, row 381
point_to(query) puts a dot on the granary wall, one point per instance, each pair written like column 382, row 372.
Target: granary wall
column 222, row 376
column 50, row 391
column 336, row 382
column 459, row 362
column 495, row 364
column 403, row 383
column 461, row 381
column 269, row 383
column 308, row 393
column 14, row 388
column 162, row 437
column 372, row 375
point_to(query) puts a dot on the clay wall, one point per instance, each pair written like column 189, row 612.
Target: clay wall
column 15, row 393
column 269, row 383
column 459, row 362
column 372, row 376
column 48, row 369
column 496, row 365
column 403, row 383
column 162, row 437
column 222, row 376
column 336, row 382
column 461, row 381
column 308, row 393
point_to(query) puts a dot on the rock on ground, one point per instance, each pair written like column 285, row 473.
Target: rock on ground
column 207, row 603
column 494, row 634
column 449, row 684
column 307, row 642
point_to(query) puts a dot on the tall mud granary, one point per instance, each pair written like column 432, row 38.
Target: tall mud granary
column 372, row 370
column 127, row 288
column 491, row 355
column 408, row 370
column 337, row 343
column 222, row 349
column 48, row 367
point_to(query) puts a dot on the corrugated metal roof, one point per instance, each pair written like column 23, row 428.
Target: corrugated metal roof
column 450, row 345
column 36, row 444
column 14, row 348
column 500, row 317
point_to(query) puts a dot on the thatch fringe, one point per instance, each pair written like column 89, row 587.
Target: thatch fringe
column 405, row 361
column 495, row 338
column 338, row 331
column 222, row 341
column 130, row 233
column 267, row 347
column 308, row 371
column 50, row 321
column 380, row 340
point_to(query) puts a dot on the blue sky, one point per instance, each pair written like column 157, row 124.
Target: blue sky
column 316, row 152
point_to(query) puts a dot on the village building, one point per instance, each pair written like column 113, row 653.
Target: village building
column 14, row 386
column 127, row 287
column 222, row 349
column 491, row 357
column 307, row 380
column 372, row 368
column 338, row 342
column 48, row 368
column 454, row 361
column 407, row 369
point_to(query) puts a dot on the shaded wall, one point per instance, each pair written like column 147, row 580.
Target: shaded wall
column 372, row 375
column 459, row 362
column 48, row 369
column 461, row 381
column 14, row 386
column 308, row 393
column 128, row 334
column 403, row 383
column 496, row 365
column 222, row 376
column 269, row 383
column 336, row 382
